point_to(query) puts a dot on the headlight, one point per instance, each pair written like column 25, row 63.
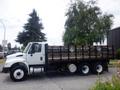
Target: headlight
column 6, row 64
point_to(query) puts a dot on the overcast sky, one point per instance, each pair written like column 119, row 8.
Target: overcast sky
column 15, row 13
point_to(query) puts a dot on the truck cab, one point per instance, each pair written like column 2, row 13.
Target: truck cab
column 32, row 59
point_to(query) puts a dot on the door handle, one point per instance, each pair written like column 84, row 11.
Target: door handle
column 41, row 58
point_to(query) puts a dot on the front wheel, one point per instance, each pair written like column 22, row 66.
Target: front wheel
column 18, row 73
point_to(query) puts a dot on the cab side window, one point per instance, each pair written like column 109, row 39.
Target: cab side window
column 35, row 48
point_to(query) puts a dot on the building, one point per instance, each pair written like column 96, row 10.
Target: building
column 114, row 38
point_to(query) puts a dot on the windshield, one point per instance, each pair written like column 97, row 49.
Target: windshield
column 26, row 49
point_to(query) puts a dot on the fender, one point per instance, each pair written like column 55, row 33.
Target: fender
column 10, row 63
column 23, row 64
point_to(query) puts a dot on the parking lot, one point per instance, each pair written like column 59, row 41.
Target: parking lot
column 52, row 82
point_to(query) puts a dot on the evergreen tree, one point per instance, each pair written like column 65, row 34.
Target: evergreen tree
column 9, row 46
column 1, row 48
column 32, row 30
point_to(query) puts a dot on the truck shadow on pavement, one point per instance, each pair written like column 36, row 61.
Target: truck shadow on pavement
column 54, row 75
column 43, row 76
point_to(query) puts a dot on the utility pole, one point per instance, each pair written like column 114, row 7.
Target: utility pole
column 4, row 39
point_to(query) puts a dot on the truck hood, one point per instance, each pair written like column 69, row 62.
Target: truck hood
column 19, row 54
column 17, row 59
column 9, row 62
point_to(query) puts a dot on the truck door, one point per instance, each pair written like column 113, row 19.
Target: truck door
column 36, row 54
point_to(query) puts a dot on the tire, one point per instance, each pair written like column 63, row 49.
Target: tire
column 98, row 68
column 18, row 73
column 84, row 69
column 72, row 68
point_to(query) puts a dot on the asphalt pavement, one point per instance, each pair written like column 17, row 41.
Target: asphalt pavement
column 53, row 82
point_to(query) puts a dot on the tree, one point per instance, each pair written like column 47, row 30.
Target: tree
column 1, row 48
column 9, row 46
column 32, row 30
column 86, row 24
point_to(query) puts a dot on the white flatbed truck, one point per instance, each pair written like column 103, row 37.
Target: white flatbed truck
column 39, row 57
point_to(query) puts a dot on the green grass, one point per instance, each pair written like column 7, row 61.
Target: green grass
column 113, row 63
column 106, row 84
column 113, row 84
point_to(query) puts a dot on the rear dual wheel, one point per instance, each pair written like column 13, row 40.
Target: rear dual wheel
column 84, row 69
column 72, row 68
column 98, row 68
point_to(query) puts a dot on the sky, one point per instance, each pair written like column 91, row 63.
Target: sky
column 15, row 13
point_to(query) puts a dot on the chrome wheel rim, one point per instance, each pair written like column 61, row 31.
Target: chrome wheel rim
column 18, row 74
column 85, row 69
column 72, row 68
column 99, row 68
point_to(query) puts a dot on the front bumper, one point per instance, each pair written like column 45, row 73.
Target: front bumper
column 5, row 70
